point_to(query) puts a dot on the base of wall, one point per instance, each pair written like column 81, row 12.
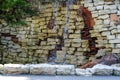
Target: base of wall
column 48, row 69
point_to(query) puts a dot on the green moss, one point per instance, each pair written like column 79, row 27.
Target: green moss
column 13, row 11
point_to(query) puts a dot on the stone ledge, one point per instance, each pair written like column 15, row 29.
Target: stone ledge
column 45, row 69
column 102, row 70
column 15, row 69
column 65, row 69
column 41, row 69
column 83, row 72
column 48, row 69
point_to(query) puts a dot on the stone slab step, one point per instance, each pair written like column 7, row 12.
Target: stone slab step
column 42, row 69
column 45, row 69
column 15, row 69
column 48, row 69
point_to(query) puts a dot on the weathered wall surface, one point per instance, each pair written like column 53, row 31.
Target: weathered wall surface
column 57, row 33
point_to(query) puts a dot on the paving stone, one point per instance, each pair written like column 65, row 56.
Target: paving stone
column 83, row 72
column 36, row 41
column 116, row 68
column 100, row 69
column 15, row 69
column 65, row 69
column 43, row 69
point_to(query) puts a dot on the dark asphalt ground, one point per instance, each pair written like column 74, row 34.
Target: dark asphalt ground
column 40, row 77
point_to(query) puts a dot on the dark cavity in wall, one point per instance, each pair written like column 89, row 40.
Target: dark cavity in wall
column 52, row 53
column 50, row 24
column 13, row 37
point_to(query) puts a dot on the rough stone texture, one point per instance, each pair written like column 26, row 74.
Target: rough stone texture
column 103, row 17
column 15, row 69
column 65, row 69
column 48, row 69
column 116, row 65
column 99, row 7
column 57, row 30
column 83, row 72
column 116, row 71
column 100, row 69
column 1, row 68
column 60, row 56
column 100, row 53
column 114, row 17
column 45, row 69
column 116, row 68
column 111, row 36
column 118, row 13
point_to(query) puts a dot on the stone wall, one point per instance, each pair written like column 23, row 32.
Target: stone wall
column 57, row 33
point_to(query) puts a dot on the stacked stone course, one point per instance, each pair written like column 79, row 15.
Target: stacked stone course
column 57, row 29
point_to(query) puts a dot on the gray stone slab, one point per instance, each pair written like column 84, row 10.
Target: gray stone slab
column 43, row 69
column 65, row 69
column 15, row 69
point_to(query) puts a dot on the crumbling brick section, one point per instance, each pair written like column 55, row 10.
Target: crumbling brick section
column 50, row 24
column 13, row 37
column 88, row 25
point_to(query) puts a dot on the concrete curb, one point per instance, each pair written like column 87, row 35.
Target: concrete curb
column 48, row 69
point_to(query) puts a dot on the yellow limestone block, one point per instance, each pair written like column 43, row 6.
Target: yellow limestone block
column 73, row 16
column 49, row 10
column 48, row 47
column 51, row 31
column 76, row 44
column 51, row 43
column 42, row 19
column 74, row 36
column 48, row 14
column 43, row 43
column 73, row 12
column 35, row 21
column 42, row 23
column 59, row 18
